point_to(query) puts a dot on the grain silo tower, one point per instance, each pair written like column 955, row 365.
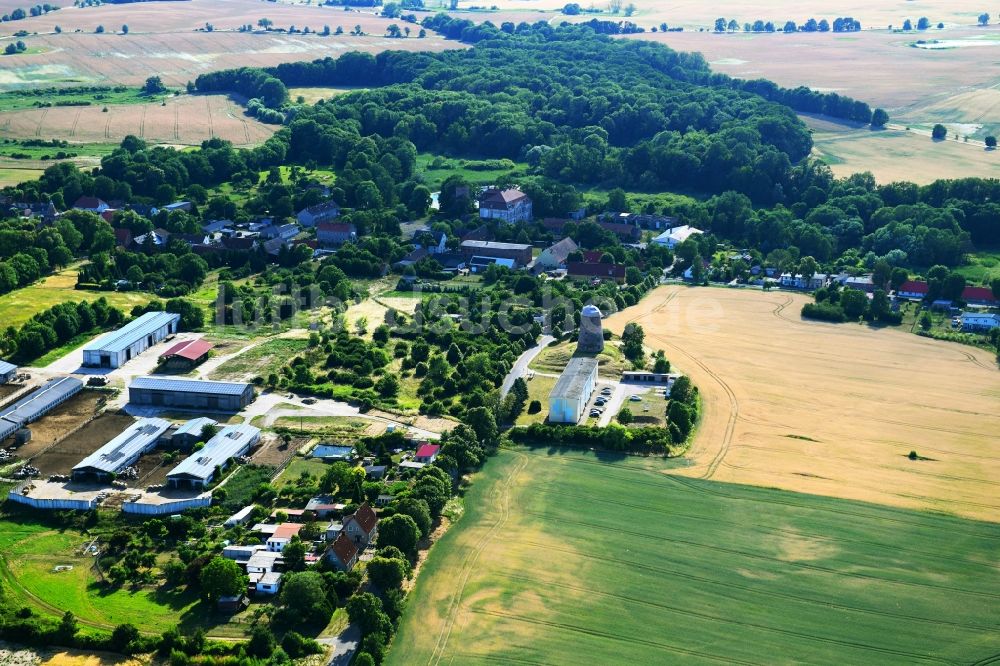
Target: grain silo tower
column 591, row 338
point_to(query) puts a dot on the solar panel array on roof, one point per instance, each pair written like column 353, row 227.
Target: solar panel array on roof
column 125, row 449
column 230, row 442
column 188, row 385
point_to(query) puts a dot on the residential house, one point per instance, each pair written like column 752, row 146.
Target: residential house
column 813, row 282
column 914, row 289
column 592, row 270
column 277, row 541
column 93, row 204
column 519, row 252
column 375, row 471
column 451, row 262
column 323, row 506
column 217, row 227
column 184, row 206
column 976, row 321
column 361, row 526
column 334, row 233
column 384, row 500
column 412, row 257
column 263, row 561
column 979, row 296
column 626, row 233
column 647, row 221
column 123, row 238
column 282, row 231
column 676, row 235
column 158, row 237
column 435, row 242
column 508, row 206
column 322, row 212
column 862, row 283
column 268, row 583
column 342, row 553
column 555, row 256
column 426, row 453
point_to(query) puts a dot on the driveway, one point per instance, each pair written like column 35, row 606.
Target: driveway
column 520, row 367
column 342, row 647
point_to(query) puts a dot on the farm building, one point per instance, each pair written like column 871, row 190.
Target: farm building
column 185, row 355
column 555, row 255
column 115, row 349
column 570, row 395
column 46, row 495
column 198, row 470
column 676, row 235
column 189, row 434
column 646, row 377
column 122, row 451
column 916, row 289
column 979, row 296
column 7, row 372
column 37, row 404
column 480, row 264
column 334, row 233
column 977, row 321
column 509, row 206
column 313, row 215
column 240, row 517
column 190, row 393
column 519, row 252
column 591, row 270
column 158, row 504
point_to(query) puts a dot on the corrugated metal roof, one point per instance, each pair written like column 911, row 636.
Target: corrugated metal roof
column 194, row 426
column 572, row 379
column 28, row 409
column 6, row 367
column 231, row 441
column 192, row 350
column 188, row 385
column 126, row 336
column 137, row 439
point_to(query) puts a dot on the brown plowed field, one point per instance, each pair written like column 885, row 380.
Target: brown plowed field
column 830, row 409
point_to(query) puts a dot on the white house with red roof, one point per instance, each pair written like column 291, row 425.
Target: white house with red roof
column 917, row 289
column 426, row 452
column 277, row 541
column 979, row 296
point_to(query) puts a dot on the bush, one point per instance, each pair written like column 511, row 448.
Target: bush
column 535, row 407
column 823, row 312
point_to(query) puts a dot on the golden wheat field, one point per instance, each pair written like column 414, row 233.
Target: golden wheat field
column 830, row 409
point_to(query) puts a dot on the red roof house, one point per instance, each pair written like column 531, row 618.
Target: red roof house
column 913, row 289
column 979, row 296
column 342, row 553
column 362, row 526
column 123, row 237
column 426, row 453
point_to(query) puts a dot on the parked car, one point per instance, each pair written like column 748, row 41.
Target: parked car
column 308, row 401
column 635, row 398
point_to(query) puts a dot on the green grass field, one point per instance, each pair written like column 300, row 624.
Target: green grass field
column 11, row 101
column 564, row 558
column 450, row 166
column 30, row 554
column 983, row 267
column 267, row 357
column 18, row 176
column 20, row 305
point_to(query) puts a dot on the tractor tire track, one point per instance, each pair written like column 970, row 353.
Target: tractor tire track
column 41, row 121
column 142, row 121
column 765, row 529
column 604, row 529
column 768, row 592
column 740, row 623
column 502, row 499
column 211, row 124
column 76, row 121
column 177, row 135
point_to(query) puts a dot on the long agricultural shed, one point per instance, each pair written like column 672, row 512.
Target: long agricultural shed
column 115, row 349
column 123, row 451
column 198, row 469
column 190, row 393
column 37, row 404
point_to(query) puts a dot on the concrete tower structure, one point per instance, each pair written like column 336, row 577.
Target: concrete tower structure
column 591, row 339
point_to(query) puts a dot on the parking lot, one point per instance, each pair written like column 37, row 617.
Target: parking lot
column 642, row 399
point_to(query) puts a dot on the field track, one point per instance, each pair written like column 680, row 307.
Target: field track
column 830, row 409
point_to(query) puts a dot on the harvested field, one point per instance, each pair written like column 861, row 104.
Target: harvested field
column 183, row 120
column 312, row 95
column 179, row 57
column 616, row 562
column 830, row 409
column 61, row 421
column 898, row 155
column 61, row 458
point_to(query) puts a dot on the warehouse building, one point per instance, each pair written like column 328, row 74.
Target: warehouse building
column 570, row 395
column 37, row 404
column 189, row 434
column 122, row 451
column 198, row 470
column 115, row 349
column 7, row 372
column 185, row 355
column 190, row 393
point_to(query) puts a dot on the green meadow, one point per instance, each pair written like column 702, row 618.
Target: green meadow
column 568, row 558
